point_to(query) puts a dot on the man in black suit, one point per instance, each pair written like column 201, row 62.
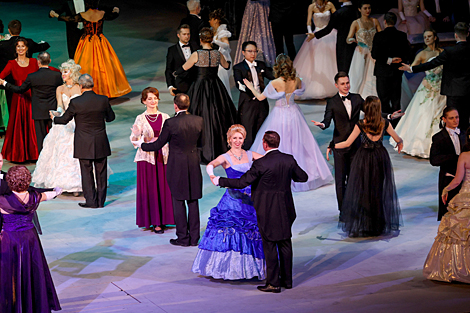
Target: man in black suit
column 91, row 145
column 184, row 135
column 390, row 47
column 251, row 111
column 194, row 21
column 445, row 150
column 439, row 13
column 74, row 30
column 43, row 85
column 461, row 10
column 270, row 179
column 455, row 82
column 341, row 20
column 175, row 58
column 281, row 16
column 344, row 109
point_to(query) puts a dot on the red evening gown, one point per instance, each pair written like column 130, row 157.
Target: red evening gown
column 20, row 139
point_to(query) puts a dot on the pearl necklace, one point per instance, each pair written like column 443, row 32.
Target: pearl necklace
column 152, row 119
column 239, row 158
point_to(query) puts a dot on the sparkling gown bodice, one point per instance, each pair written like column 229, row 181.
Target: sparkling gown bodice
column 410, row 7
column 208, row 63
column 466, row 183
column 365, row 36
column 320, row 20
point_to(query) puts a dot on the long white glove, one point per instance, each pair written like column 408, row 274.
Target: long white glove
column 309, row 29
column 52, row 194
column 221, row 44
column 138, row 143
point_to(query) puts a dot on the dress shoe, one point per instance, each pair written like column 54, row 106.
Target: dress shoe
column 194, row 245
column 176, row 243
column 158, row 231
column 84, row 205
column 269, row 288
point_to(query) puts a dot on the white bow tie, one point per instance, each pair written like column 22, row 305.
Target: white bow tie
column 455, row 131
column 253, row 64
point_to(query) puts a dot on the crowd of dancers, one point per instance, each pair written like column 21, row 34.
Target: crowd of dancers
column 266, row 155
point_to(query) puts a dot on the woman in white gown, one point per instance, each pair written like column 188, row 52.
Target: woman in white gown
column 221, row 36
column 421, row 119
column 361, row 73
column 287, row 120
column 316, row 60
column 56, row 165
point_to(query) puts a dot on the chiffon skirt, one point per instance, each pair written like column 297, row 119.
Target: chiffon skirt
column 25, row 279
column 370, row 205
column 361, row 73
column 96, row 56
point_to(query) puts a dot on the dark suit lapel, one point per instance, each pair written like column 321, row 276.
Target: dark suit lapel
column 342, row 107
column 448, row 140
column 260, row 78
column 180, row 51
column 248, row 71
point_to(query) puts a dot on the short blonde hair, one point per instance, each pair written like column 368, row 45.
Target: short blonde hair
column 193, row 4
column 235, row 128
column 74, row 69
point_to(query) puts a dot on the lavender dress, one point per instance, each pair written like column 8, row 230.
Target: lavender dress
column 26, row 284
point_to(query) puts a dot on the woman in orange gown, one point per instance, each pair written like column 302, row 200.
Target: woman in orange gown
column 20, row 143
column 95, row 54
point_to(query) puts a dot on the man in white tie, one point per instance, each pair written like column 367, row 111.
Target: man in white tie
column 251, row 111
column 445, row 150
column 178, row 55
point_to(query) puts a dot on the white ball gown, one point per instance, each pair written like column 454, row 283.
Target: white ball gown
column 287, row 120
column 316, row 62
column 421, row 119
column 361, row 73
column 225, row 50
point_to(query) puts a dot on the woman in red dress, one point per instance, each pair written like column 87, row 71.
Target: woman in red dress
column 20, row 139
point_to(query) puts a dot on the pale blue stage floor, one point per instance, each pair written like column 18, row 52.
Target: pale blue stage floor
column 101, row 262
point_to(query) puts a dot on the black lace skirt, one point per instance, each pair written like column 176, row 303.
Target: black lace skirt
column 370, row 205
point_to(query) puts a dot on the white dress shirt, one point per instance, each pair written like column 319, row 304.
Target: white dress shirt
column 454, row 136
column 79, row 6
column 347, row 104
column 346, row 3
column 254, row 74
column 186, row 50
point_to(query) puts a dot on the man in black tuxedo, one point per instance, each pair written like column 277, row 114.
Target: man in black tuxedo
column 43, row 85
column 91, row 144
column 455, row 84
column 251, row 111
column 461, row 10
column 270, row 179
column 445, row 150
column 341, row 20
column 184, row 133
column 439, row 13
column 175, row 58
column 194, row 21
column 344, row 109
column 281, row 16
column 390, row 47
column 74, row 30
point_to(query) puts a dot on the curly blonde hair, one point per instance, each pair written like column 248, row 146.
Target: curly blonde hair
column 235, row 128
column 284, row 68
column 74, row 69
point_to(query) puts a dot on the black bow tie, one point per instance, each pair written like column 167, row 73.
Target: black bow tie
column 185, row 46
column 347, row 97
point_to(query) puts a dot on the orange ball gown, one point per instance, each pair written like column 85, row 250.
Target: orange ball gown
column 96, row 56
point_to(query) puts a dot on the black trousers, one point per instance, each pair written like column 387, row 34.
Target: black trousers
column 278, row 256
column 461, row 104
column 187, row 225
column 95, row 194
column 389, row 92
column 343, row 160
column 252, row 115
column 42, row 128
column 282, row 32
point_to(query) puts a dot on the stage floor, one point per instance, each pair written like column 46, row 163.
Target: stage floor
column 101, row 262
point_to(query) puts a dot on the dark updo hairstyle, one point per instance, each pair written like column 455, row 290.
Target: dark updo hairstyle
column 146, row 91
column 444, row 114
column 206, row 35
column 373, row 122
column 218, row 15
column 284, row 67
column 436, row 42
column 18, row 178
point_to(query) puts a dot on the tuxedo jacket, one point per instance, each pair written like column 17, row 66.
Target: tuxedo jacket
column 242, row 70
column 184, row 133
column 8, row 49
column 461, row 11
column 174, row 61
column 390, row 43
column 43, row 84
column 444, row 5
column 443, row 152
column 456, row 69
column 281, row 11
column 91, row 112
column 195, row 25
column 270, row 179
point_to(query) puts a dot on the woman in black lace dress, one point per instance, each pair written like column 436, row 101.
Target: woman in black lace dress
column 370, row 206
column 209, row 97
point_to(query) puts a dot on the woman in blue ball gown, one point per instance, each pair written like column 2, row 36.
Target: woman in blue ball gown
column 231, row 247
